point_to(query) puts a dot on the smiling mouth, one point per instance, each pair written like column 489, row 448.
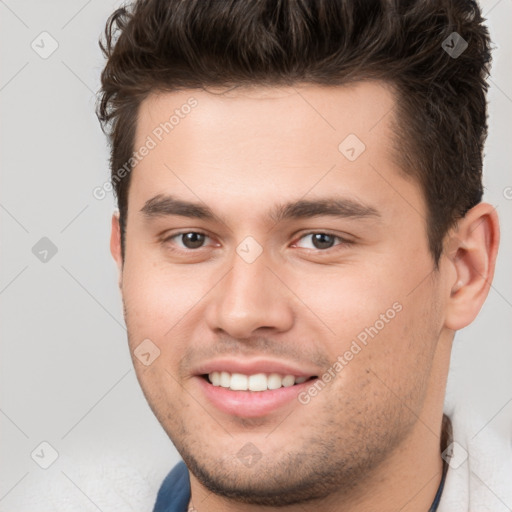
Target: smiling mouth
column 256, row 383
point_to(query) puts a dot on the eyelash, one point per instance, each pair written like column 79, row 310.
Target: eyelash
column 343, row 241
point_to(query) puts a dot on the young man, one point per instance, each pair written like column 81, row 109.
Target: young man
column 300, row 234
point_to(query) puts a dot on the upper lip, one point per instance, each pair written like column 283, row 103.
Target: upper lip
column 253, row 366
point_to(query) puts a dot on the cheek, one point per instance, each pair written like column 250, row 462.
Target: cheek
column 157, row 296
column 381, row 306
column 346, row 299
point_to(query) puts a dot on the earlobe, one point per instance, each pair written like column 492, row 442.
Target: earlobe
column 115, row 245
column 472, row 256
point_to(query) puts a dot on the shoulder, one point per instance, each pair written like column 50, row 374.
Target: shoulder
column 174, row 493
column 480, row 468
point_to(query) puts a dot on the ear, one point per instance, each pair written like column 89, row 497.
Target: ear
column 115, row 246
column 473, row 246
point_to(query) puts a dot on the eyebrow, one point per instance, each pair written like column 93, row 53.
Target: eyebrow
column 167, row 205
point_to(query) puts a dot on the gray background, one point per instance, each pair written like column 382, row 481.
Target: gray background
column 66, row 375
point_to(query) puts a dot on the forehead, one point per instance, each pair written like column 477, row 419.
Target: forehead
column 264, row 141
column 318, row 112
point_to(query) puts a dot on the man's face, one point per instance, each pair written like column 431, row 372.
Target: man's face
column 259, row 287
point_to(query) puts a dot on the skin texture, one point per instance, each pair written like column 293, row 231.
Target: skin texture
column 370, row 439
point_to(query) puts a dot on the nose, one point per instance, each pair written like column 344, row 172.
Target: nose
column 250, row 297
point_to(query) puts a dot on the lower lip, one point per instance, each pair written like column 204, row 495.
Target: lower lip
column 251, row 404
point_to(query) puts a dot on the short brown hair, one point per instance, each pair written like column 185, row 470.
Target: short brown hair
column 166, row 45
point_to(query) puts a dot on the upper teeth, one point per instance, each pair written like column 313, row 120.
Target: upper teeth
column 256, row 382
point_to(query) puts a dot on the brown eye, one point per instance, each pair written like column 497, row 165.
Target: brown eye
column 192, row 240
column 320, row 241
